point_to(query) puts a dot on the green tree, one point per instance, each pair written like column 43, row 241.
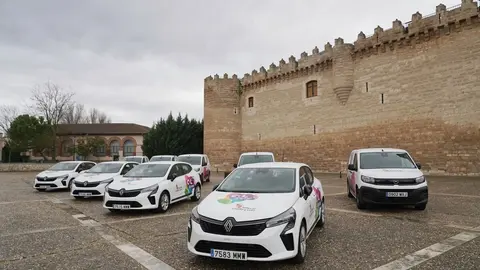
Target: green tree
column 174, row 136
column 87, row 146
column 29, row 132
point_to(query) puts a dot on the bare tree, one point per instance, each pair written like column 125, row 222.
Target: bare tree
column 8, row 113
column 51, row 102
column 97, row 117
column 75, row 114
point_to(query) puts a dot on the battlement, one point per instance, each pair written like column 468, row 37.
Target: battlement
column 225, row 77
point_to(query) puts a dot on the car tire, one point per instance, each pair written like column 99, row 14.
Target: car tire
column 421, row 206
column 360, row 203
column 321, row 222
column 197, row 193
column 349, row 193
column 163, row 202
column 302, row 245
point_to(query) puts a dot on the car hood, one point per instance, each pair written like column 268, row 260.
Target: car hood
column 393, row 173
column 94, row 177
column 245, row 206
column 53, row 173
column 130, row 183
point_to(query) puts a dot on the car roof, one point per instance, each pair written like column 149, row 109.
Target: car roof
column 256, row 153
column 163, row 156
column 75, row 161
column 292, row 165
column 192, row 155
column 117, row 162
column 369, row 150
column 165, row 162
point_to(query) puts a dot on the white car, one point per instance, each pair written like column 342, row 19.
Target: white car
column 153, row 185
column 260, row 212
column 252, row 157
column 92, row 183
column 386, row 176
column 61, row 175
column 200, row 164
column 137, row 159
column 163, row 158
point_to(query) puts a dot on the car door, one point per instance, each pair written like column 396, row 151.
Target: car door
column 316, row 192
column 177, row 179
column 310, row 201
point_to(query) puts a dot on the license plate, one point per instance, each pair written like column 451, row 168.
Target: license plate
column 43, row 187
column 228, row 254
column 85, row 194
column 397, row 194
column 121, row 206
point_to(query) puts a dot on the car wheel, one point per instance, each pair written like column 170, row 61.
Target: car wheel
column 163, row 202
column 197, row 193
column 302, row 245
column 348, row 191
column 360, row 203
column 421, row 206
column 321, row 222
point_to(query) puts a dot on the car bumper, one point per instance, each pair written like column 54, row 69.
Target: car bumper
column 379, row 196
column 140, row 202
column 58, row 183
column 82, row 191
column 267, row 246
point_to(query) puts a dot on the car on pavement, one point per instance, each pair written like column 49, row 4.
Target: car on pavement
column 61, row 175
column 386, row 176
column 153, row 185
column 260, row 212
column 137, row 159
column 163, row 158
column 200, row 163
column 92, row 182
column 252, row 157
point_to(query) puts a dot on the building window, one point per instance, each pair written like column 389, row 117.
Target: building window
column 114, row 148
column 67, row 148
column 128, row 148
column 250, row 102
column 312, row 89
column 100, row 151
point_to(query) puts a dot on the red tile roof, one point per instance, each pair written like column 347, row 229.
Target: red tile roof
column 102, row 129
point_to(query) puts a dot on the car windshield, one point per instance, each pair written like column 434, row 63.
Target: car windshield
column 194, row 160
column 386, row 160
column 134, row 159
column 106, row 168
column 148, row 170
column 249, row 159
column 64, row 166
column 259, row 180
column 161, row 158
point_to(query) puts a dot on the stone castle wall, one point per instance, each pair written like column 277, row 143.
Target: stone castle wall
column 415, row 87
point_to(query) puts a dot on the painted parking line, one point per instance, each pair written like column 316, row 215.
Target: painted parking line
column 354, row 212
column 39, row 231
column 456, row 195
column 430, row 252
column 335, row 194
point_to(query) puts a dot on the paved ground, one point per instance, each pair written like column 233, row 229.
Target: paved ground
column 50, row 230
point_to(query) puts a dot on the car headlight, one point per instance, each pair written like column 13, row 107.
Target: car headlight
column 108, row 181
column 420, row 179
column 152, row 189
column 288, row 216
column 194, row 216
column 368, row 179
column 63, row 177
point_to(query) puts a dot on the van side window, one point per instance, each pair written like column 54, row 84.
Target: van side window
column 355, row 161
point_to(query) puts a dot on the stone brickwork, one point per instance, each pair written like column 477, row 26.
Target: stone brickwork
column 24, row 167
column 414, row 86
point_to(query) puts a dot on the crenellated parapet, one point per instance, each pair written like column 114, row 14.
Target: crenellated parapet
column 420, row 28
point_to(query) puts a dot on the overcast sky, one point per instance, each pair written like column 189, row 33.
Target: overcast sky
column 137, row 59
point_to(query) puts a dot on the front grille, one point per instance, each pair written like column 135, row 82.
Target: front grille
column 126, row 193
column 48, row 179
column 391, row 182
column 132, row 204
column 50, row 185
column 246, row 228
column 94, row 192
column 89, row 184
column 253, row 250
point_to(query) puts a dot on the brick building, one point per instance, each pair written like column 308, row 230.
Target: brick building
column 121, row 139
column 414, row 86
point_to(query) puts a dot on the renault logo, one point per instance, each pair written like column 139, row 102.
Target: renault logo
column 228, row 225
column 395, row 182
column 45, row 178
column 121, row 192
column 85, row 183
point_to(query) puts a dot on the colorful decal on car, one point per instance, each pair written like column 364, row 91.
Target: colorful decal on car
column 189, row 184
column 318, row 195
column 237, row 197
column 240, row 207
column 204, row 172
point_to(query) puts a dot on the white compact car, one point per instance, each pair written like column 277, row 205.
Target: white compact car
column 163, row 158
column 260, row 212
column 92, row 183
column 153, row 185
column 137, row 159
column 61, row 175
column 386, row 176
column 200, row 164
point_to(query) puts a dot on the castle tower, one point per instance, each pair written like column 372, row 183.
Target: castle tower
column 343, row 68
column 222, row 121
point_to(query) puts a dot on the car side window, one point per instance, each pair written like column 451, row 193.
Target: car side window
column 81, row 167
column 309, row 176
column 126, row 168
column 355, row 161
column 89, row 165
column 303, row 181
column 186, row 168
column 175, row 169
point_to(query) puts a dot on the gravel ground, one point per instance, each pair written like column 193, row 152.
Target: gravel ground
column 47, row 230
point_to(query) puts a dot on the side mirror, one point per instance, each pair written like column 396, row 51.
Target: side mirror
column 215, row 187
column 351, row 167
column 307, row 190
column 419, row 166
column 235, row 165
